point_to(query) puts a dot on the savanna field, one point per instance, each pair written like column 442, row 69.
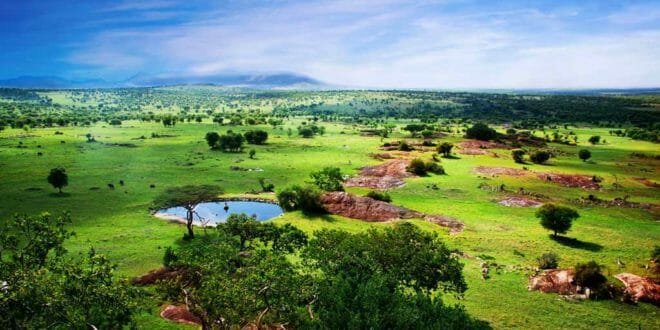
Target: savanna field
column 119, row 138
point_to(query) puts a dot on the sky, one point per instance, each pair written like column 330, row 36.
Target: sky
column 379, row 43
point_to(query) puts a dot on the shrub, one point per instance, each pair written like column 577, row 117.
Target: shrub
column 212, row 138
column 589, row 275
column 328, row 179
column 445, row 149
column 169, row 258
column 539, row 156
column 435, row 168
column 594, row 139
column 518, row 156
column 417, row 167
column 256, row 137
column 480, row 131
column 404, row 146
column 304, row 198
column 584, row 154
column 548, row 261
column 379, row 196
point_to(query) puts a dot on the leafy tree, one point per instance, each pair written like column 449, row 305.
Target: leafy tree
column 304, row 198
column 58, row 178
column 556, row 217
column 212, row 139
column 518, row 156
column 232, row 142
column 445, row 149
column 305, row 132
column 595, row 139
column 414, row 129
column 539, row 156
column 42, row 290
column 392, row 288
column 256, row 137
column 115, row 122
column 328, row 179
column 266, row 187
column 584, row 154
column 480, row 131
column 187, row 197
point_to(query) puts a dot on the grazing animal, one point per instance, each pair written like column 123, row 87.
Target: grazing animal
column 111, row 186
column 121, row 182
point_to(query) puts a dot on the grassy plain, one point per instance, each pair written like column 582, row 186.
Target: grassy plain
column 118, row 223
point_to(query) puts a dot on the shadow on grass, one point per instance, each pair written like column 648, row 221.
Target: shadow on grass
column 59, row 195
column 319, row 216
column 576, row 243
column 451, row 157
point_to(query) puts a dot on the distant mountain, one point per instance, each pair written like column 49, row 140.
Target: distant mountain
column 261, row 81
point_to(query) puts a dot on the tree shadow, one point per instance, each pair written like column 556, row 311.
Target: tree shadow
column 60, row 195
column 319, row 216
column 451, row 157
column 576, row 243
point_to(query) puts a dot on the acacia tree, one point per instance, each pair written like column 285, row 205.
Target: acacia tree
column 556, row 217
column 445, row 149
column 188, row 197
column 58, row 178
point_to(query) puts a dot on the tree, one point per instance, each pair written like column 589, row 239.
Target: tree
column 212, row 139
column 42, row 290
column 414, row 128
column 445, row 149
column 58, row 178
column 393, row 288
column 518, row 156
column 480, row 131
column 115, row 122
column 256, row 137
column 328, row 179
column 187, row 197
column 232, row 142
column 251, row 153
column 584, row 154
column 556, row 217
column 539, row 156
column 595, row 139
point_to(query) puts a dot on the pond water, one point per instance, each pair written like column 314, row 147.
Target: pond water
column 217, row 212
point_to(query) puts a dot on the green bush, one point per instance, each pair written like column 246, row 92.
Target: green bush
column 379, row 196
column 539, row 156
column 548, row 261
column 480, row 131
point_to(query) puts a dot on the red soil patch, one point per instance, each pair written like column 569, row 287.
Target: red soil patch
column 369, row 209
column 553, row 280
column 485, row 170
column 519, row 202
column 570, row 180
column 476, row 147
column 384, row 176
column 641, row 288
column 155, row 275
column 647, row 182
column 180, row 314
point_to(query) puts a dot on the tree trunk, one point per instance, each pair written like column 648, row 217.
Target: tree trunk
column 191, row 234
column 60, row 189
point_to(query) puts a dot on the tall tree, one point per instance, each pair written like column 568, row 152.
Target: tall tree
column 58, row 178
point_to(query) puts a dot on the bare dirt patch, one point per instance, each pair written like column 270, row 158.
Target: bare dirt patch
column 571, row 180
column 476, row 147
column 384, row 176
column 369, row 209
column 180, row 314
column 519, row 202
column 640, row 288
column 486, row 170
column 553, row 280
column 647, row 182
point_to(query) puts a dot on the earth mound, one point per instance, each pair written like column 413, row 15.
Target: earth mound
column 640, row 288
column 486, row 170
column 647, row 182
column 180, row 314
column 383, row 176
column 553, row 280
column 369, row 209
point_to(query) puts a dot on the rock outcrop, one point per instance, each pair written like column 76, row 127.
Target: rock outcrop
column 554, row 280
column 640, row 288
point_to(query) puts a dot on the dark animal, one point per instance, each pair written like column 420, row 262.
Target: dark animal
column 111, row 186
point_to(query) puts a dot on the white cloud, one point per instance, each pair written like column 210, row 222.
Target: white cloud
column 390, row 44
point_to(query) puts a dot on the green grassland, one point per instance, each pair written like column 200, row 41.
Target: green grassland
column 118, row 223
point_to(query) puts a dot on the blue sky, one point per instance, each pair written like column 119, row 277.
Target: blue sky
column 380, row 43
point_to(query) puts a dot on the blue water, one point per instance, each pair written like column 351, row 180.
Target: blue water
column 216, row 213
